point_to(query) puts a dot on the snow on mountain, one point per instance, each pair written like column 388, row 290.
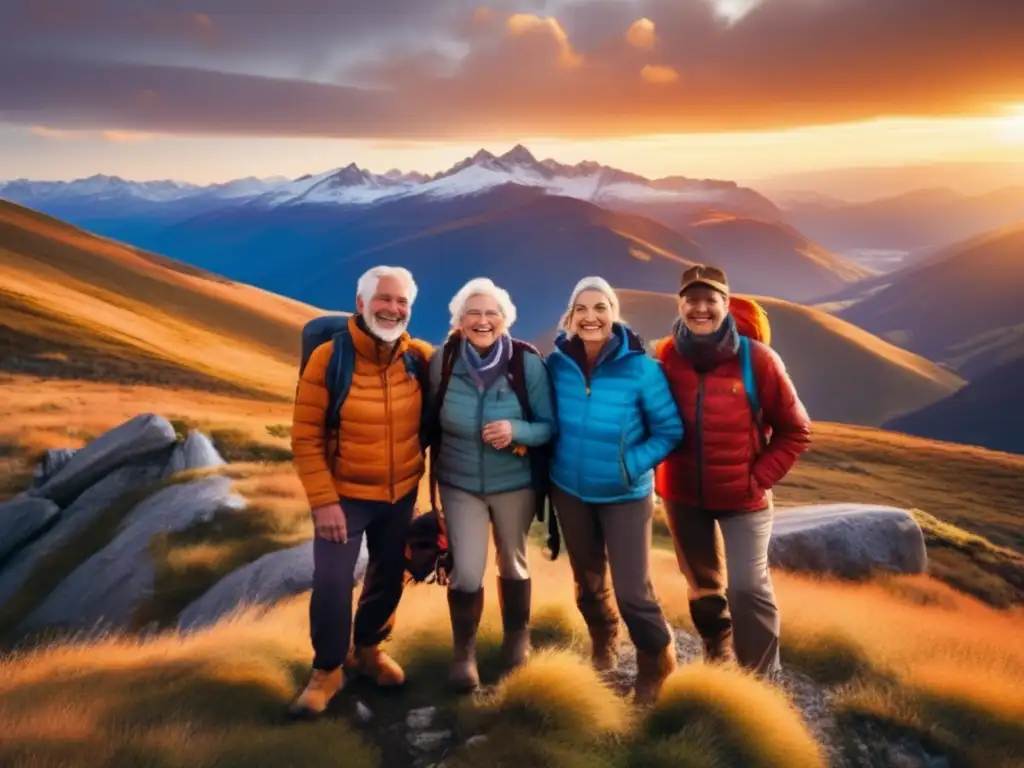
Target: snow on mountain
column 351, row 185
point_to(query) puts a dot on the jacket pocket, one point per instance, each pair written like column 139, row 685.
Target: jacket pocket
column 623, row 469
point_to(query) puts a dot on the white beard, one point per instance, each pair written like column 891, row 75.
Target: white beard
column 387, row 335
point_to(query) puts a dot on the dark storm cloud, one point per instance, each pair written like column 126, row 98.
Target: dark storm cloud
column 788, row 62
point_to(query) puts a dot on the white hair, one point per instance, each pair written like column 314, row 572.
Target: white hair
column 482, row 286
column 594, row 283
column 370, row 279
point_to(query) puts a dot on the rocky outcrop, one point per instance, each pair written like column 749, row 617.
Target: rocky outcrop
column 195, row 452
column 142, row 437
column 261, row 583
column 126, row 474
column 850, row 541
column 107, row 589
column 21, row 518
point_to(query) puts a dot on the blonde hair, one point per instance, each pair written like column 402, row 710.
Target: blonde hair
column 592, row 283
column 482, row 286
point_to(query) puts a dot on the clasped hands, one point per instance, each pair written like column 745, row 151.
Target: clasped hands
column 497, row 434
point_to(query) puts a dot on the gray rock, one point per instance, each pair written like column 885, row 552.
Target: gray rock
column 420, row 719
column 105, row 591
column 72, row 521
column 260, row 583
column 475, row 741
column 847, row 540
column 196, row 451
column 21, row 518
column 139, row 437
column 427, row 741
column 363, row 713
column 51, row 462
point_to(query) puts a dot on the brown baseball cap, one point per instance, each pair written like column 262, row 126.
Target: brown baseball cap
column 701, row 274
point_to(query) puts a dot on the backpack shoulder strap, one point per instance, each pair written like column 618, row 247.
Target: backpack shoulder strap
column 432, row 426
column 746, row 353
column 339, row 375
column 517, row 375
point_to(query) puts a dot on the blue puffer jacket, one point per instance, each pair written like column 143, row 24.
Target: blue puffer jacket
column 614, row 429
column 465, row 461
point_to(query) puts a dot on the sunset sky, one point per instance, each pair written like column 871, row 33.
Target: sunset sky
column 207, row 90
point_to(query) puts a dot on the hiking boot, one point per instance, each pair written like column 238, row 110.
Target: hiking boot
column 323, row 685
column 514, row 600
column 713, row 623
column 465, row 609
column 604, row 655
column 373, row 663
column 651, row 672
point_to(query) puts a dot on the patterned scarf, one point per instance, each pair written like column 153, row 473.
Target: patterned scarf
column 489, row 368
column 709, row 349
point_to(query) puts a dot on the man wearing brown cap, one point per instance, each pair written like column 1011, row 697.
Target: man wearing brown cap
column 745, row 427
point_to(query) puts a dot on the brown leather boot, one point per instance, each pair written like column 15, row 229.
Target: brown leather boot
column 651, row 672
column 373, row 663
column 604, row 646
column 465, row 609
column 323, row 685
column 514, row 600
column 713, row 623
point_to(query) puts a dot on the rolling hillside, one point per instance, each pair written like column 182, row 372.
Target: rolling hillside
column 513, row 234
column 987, row 412
column 964, row 310
column 913, row 220
column 842, row 373
column 78, row 306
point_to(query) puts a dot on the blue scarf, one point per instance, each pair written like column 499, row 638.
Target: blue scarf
column 489, row 368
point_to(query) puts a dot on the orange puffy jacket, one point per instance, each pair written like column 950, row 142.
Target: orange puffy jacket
column 377, row 456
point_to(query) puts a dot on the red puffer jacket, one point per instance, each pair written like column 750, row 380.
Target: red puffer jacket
column 719, row 465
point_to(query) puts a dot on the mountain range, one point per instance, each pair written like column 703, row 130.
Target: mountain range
column 511, row 217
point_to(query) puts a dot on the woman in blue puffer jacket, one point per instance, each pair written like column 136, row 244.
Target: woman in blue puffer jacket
column 617, row 420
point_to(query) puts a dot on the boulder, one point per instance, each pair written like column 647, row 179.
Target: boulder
column 847, row 540
column 136, row 438
column 50, row 463
column 106, row 590
column 73, row 520
column 262, row 582
column 21, row 518
column 195, row 452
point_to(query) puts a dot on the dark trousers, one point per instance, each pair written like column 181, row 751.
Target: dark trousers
column 619, row 535
column 385, row 526
column 727, row 555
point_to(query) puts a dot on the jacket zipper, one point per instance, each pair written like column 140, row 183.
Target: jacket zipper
column 586, row 418
column 700, row 439
column 479, row 429
column 388, row 432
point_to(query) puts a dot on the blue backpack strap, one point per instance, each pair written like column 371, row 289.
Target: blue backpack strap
column 339, row 376
column 750, row 385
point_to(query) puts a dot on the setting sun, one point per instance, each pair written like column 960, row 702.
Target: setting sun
column 1011, row 127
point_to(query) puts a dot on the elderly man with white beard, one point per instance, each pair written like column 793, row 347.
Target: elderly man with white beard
column 361, row 478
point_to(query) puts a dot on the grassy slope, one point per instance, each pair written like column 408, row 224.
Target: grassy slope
column 920, row 310
column 81, row 306
column 843, row 373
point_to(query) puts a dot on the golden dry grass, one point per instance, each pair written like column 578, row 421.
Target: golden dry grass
column 83, row 306
column 933, row 654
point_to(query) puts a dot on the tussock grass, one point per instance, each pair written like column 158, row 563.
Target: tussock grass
column 213, row 700
column 738, row 719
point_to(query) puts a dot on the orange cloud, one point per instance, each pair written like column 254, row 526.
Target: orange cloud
column 641, row 34
column 659, row 75
column 61, row 134
column 522, row 24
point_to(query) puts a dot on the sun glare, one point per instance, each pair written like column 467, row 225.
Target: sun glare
column 1011, row 127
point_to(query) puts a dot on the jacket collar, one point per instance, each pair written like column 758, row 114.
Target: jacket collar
column 370, row 347
column 629, row 343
